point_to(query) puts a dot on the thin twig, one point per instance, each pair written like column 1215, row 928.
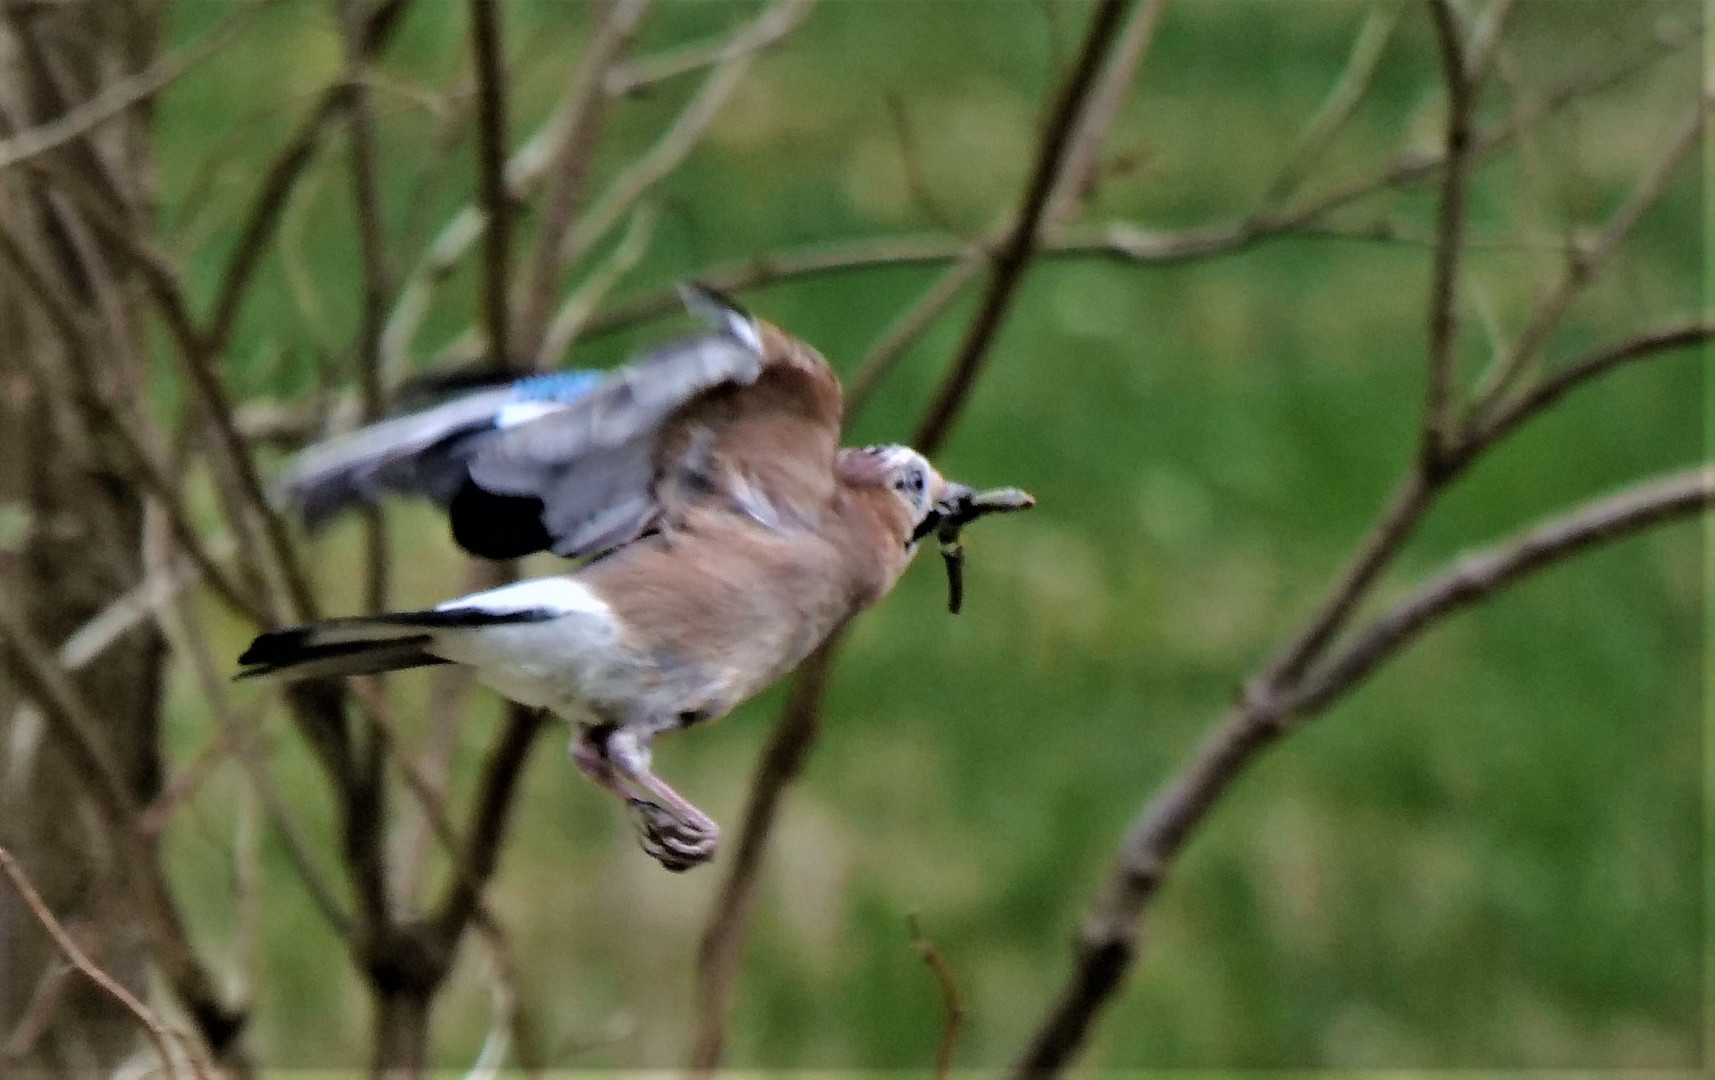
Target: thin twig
column 910, row 325
column 1108, row 943
column 649, row 71
column 1544, row 393
column 1015, row 253
column 569, row 321
column 160, row 1034
column 525, row 172
column 570, row 171
column 377, row 284
column 75, row 725
column 124, row 94
column 1343, row 100
column 182, row 626
column 1128, row 242
column 795, row 732
column 1438, row 406
column 1083, row 157
column 1481, row 574
column 676, row 143
column 147, row 459
column 1077, row 177
column 491, row 176
column 282, row 175
column 1586, row 260
column 722, row 944
column 953, row 1000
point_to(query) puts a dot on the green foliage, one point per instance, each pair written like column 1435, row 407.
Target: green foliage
column 1489, row 856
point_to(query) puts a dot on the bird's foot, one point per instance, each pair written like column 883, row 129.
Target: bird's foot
column 676, row 842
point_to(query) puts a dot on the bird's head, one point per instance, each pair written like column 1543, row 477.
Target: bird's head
column 932, row 504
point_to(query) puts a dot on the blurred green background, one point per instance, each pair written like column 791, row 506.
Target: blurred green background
column 1489, row 856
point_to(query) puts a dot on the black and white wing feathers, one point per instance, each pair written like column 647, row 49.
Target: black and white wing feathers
column 561, row 462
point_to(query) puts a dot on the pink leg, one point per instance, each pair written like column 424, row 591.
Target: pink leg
column 671, row 830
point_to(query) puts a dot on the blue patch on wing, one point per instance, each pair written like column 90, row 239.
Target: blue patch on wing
column 561, row 386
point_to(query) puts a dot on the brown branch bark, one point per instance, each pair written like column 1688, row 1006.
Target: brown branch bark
column 1108, row 943
column 78, row 730
column 570, row 168
column 160, row 1034
column 1015, row 253
column 1522, row 406
column 1450, row 232
column 1486, row 572
column 125, row 94
column 795, row 732
column 951, row 998
column 491, row 176
column 377, row 280
column 1299, row 682
column 282, row 177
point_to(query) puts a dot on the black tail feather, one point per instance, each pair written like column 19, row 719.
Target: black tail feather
column 365, row 645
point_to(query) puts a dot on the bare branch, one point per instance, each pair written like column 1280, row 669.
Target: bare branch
column 161, row 1035
column 1533, row 401
column 1108, row 943
column 1438, row 405
column 75, row 724
column 572, row 158
column 755, row 36
column 1015, row 253
column 954, row 1001
column 181, row 624
column 569, row 321
column 525, row 172
column 493, row 804
column 377, row 282
column 1486, row 572
column 124, row 94
column 1587, row 259
column 1143, row 246
column 676, row 143
column 1343, row 100
column 282, row 176
column 497, row 209
column 147, row 459
column 912, row 324
column 795, row 732
column 722, row 945
column 1082, row 168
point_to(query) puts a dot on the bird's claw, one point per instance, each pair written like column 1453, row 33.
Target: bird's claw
column 675, row 842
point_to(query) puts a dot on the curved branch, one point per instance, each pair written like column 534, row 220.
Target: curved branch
column 1552, row 387
column 1109, row 941
column 160, row 1034
column 1486, row 572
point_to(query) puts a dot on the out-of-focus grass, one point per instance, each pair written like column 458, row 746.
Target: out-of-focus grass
column 1490, row 856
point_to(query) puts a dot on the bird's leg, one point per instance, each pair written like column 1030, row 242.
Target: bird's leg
column 673, row 831
column 589, row 754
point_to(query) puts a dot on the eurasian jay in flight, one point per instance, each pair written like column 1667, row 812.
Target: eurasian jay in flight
column 726, row 535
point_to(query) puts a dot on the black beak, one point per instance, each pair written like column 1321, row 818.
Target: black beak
column 958, row 507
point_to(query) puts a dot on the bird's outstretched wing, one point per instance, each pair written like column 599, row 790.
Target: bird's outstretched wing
column 581, row 462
